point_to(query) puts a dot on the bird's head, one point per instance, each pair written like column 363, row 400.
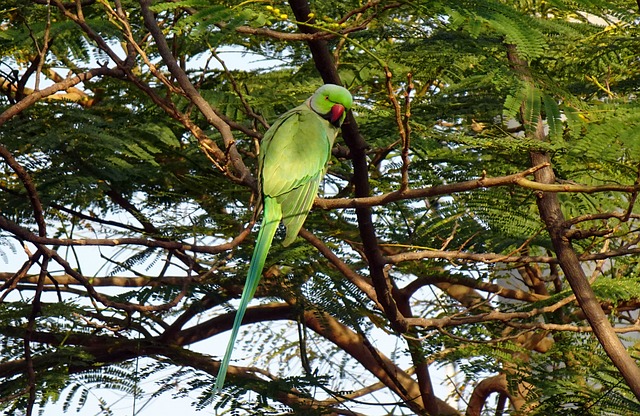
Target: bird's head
column 331, row 102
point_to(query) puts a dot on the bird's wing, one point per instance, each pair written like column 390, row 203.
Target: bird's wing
column 293, row 159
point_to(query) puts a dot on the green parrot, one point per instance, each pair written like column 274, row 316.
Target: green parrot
column 293, row 159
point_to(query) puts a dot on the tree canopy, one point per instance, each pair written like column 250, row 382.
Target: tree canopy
column 479, row 210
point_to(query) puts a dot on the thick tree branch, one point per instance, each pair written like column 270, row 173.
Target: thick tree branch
column 463, row 256
column 352, row 343
column 568, row 260
column 551, row 213
column 480, row 183
column 495, row 384
column 326, row 326
column 327, row 69
column 102, row 350
column 469, row 282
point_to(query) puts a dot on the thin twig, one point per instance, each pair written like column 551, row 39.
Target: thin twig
column 406, row 142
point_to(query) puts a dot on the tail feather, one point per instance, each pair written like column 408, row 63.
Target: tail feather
column 271, row 218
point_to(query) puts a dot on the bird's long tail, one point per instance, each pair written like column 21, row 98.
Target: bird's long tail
column 271, row 218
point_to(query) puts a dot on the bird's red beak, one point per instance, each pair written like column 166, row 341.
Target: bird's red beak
column 336, row 113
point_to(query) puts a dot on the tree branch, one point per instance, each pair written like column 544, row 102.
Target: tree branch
column 551, row 213
column 480, row 183
column 194, row 96
column 505, row 292
column 495, row 384
column 26, row 235
column 352, row 343
column 353, row 277
column 326, row 67
column 103, row 350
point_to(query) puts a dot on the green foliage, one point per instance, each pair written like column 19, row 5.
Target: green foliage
column 480, row 85
column 569, row 387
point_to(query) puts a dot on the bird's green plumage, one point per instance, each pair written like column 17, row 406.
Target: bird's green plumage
column 293, row 158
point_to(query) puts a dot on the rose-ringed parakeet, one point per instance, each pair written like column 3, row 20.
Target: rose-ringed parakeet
column 292, row 161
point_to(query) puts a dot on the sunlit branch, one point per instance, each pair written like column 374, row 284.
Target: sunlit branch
column 231, row 152
column 420, row 193
column 26, row 235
